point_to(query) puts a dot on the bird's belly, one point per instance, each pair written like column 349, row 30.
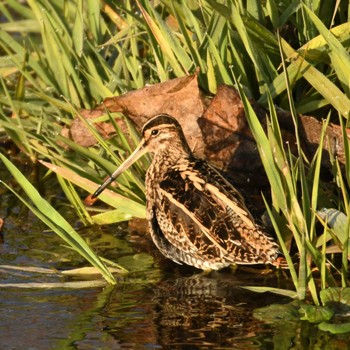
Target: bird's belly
column 175, row 247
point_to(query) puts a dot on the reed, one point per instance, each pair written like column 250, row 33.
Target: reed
column 56, row 58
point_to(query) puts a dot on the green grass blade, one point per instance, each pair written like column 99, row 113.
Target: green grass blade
column 94, row 18
column 177, row 57
column 282, row 243
column 338, row 53
column 126, row 205
column 318, row 80
column 52, row 218
column 316, row 181
column 75, row 200
column 266, row 154
column 111, row 217
column 346, row 149
column 192, row 45
column 78, row 29
column 284, row 292
column 222, row 70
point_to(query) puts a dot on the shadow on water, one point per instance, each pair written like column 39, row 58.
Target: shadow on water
column 163, row 306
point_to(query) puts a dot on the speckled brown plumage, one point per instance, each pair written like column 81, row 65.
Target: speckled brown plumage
column 195, row 215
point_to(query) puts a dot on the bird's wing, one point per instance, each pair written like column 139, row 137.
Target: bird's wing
column 202, row 215
column 163, row 244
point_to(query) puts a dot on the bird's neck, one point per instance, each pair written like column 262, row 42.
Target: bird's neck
column 166, row 159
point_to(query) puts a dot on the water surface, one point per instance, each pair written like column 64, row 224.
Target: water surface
column 160, row 305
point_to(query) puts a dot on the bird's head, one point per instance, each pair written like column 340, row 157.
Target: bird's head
column 161, row 134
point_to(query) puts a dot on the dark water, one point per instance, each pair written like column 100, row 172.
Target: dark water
column 160, row 305
column 195, row 312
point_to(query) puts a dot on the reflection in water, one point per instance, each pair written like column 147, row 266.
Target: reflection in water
column 160, row 308
column 176, row 312
column 186, row 313
column 201, row 311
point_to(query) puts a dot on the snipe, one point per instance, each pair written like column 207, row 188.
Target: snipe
column 195, row 215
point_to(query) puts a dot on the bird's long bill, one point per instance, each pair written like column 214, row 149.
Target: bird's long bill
column 134, row 156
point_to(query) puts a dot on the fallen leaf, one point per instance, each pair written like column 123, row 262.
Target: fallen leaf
column 216, row 130
column 229, row 143
column 180, row 97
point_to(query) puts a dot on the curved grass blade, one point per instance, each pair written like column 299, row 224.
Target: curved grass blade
column 285, row 292
column 53, row 219
column 128, row 206
column 56, row 285
column 176, row 55
column 338, row 54
column 318, row 80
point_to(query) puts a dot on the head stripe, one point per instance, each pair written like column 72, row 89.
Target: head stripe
column 160, row 119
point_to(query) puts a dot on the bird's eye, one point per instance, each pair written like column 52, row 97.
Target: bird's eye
column 154, row 132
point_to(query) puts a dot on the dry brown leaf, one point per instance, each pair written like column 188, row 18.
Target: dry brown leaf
column 218, row 132
column 310, row 131
column 229, row 143
column 179, row 97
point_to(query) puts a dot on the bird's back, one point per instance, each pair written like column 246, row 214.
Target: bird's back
column 203, row 218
